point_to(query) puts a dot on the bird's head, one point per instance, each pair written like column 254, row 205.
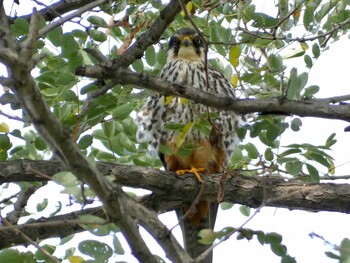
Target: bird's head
column 186, row 44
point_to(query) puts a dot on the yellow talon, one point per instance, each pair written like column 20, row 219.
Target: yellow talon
column 194, row 171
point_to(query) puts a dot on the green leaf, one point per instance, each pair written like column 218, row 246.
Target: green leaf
column 126, row 142
column 118, row 248
column 296, row 124
column 80, row 34
column 207, row 236
column 273, row 238
column 151, row 57
column 268, row 154
column 122, row 111
column 130, row 128
column 263, row 20
column 98, row 250
column 66, row 239
column 278, row 249
column 40, row 144
column 14, row 256
column 273, row 131
column 226, row 205
column 4, row 127
column 97, row 20
column 275, row 63
column 96, row 225
column 253, row 152
column 310, row 91
column 308, row 17
column 85, row 141
column 308, row 61
column 294, row 53
column 42, row 205
column 296, row 84
column 237, row 155
column 313, row 173
column 47, row 248
column 345, row 249
column 55, row 36
column 65, row 178
column 256, row 128
column 294, row 168
column 69, row 46
column 332, row 255
column 234, row 54
column 5, row 142
column 316, row 50
column 167, row 150
column 173, row 126
column 16, row 133
column 318, row 158
column 161, row 57
column 109, row 128
column 20, row 27
column 245, row 210
column 330, row 140
column 97, row 35
column 138, row 65
column 88, row 88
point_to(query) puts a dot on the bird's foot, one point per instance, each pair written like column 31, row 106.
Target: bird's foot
column 194, row 171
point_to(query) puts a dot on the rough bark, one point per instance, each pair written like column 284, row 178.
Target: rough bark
column 170, row 191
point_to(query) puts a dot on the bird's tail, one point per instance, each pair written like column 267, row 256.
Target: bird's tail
column 203, row 217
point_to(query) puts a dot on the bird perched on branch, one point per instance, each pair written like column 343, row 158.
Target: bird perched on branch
column 190, row 137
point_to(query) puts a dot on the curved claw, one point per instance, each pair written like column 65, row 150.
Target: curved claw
column 194, row 171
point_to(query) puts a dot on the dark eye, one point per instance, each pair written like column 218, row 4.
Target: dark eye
column 198, row 40
column 174, row 41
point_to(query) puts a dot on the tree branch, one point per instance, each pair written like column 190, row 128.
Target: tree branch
column 171, row 191
column 307, row 108
column 43, row 228
column 21, row 202
column 57, row 9
column 69, row 17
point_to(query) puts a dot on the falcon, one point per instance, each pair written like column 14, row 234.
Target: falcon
column 190, row 137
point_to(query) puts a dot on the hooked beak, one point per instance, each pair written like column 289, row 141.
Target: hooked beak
column 186, row 41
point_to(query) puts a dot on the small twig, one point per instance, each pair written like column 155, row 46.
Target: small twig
column 46, row 177
column 69, row 17
column 270, row 36
column 202, row 256
column 5, row 200
column 13, row 117
column 55, row 223
column 334, row 99
column 194, row 203
column 30, row 241
column 285, row 18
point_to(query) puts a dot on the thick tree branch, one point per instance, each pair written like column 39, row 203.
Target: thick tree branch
column 307, row 108
column 171, row 191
